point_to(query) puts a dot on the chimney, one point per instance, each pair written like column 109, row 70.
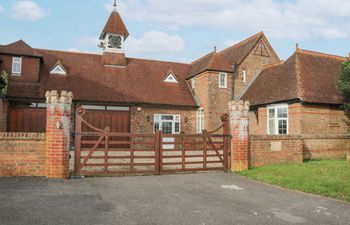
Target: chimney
column 113, row 59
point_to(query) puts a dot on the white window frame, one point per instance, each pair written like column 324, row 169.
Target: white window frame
column 244, row 76
column 159, row 120
column 276, row 119
column 58, row 69
column 18, row 66
column 171, row 79
column 225, row 80
column 193, row 83
column 200, row 120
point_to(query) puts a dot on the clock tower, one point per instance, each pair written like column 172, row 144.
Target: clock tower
column 112, row 40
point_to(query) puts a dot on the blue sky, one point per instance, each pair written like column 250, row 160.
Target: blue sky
column 179, row 30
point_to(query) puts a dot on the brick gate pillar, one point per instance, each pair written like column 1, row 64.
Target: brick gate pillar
column 58, row 123
column 3, row 114
column 238, row 113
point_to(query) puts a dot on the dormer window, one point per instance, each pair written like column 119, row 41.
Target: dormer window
column 16, row 66
column 58, row 69
column 171, row 79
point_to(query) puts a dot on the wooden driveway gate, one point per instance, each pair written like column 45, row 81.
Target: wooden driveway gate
column 102, row 152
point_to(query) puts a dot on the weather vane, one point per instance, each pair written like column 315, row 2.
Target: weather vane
column 115, row 5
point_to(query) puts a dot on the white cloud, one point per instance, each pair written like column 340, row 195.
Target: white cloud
column 296, row 19
column 1, row 8
column 155, row 42
column 27, row 10
column 80, row 51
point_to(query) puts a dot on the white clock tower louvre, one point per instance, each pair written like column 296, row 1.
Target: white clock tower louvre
column 112, row 40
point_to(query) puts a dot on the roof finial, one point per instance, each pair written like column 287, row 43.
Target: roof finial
column 214, row 48
column 115, row 6
column 297, row 46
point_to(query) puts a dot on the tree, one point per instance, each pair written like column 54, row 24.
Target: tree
column 344, row 83
column 3, row 84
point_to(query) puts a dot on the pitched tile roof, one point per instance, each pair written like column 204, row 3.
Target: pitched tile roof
column 238, row 52
column 19, row 48
column 307, row 76
column 140, row 82
column 212, row 61
column 115, row 25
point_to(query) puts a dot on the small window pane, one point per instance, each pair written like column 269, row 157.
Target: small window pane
column 177, row 127
column 272, row 126
column 282, row 127
column 167, row 127
column 156, row 126
column 167, row 117
column 282, row 113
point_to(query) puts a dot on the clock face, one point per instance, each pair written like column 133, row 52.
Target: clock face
column 114, row 41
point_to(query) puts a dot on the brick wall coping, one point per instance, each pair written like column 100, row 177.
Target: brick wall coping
column 297, row 137
column 22, row 136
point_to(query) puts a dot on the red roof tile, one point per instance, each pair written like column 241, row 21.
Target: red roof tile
column 306, row 75
column 19, row 48
column 212, row 61
column 115, row 25
column 140, row 82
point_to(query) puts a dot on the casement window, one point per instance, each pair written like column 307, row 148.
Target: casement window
column 168, row 124
column 200, row 120
column 244, row 76
column 193, row 83
column 277, row 121
column 16, row 66
column 223, row 80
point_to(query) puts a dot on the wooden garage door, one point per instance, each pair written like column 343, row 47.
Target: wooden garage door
column 117, row 121
column 27, row 120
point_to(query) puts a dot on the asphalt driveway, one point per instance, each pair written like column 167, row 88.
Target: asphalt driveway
column 203, row 199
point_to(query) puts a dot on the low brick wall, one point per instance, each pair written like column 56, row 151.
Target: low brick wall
column 22, row 154
column 267, row 150
column 326, row 147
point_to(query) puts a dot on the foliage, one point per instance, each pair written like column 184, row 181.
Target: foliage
column 330, row 178
column 344, row 83
column 4, row 77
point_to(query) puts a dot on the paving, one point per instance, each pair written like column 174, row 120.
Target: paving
column 193, row 199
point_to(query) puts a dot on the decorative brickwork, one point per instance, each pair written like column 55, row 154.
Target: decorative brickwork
column 22, row 154
column 3, row 114
column 58, row 126
column 238, row 112
column 267, row 150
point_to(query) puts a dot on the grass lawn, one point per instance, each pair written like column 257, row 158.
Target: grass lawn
column 330, row 178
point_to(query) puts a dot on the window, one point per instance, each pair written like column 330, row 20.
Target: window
column 16, row 66
column 193, row 83
column 223, row 80
column 244, row 76
column 58, row 70
column 168, row 124
column 171, row 79
column 277, row 120
column 200, row 120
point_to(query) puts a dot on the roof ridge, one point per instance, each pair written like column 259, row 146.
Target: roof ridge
column 203, row 57
column 261, row 33
column 157, row 60
column 321, row 54
column 67, row 51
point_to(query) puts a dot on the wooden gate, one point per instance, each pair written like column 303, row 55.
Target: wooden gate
column 101, row 152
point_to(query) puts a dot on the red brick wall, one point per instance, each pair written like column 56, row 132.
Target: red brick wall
column 268, row 150
column 115, row 59
column 139, row 123
column 30, row 69
column 212, row 98
column 253, row 64
column 22, row 154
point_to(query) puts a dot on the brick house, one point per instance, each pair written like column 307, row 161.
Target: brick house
column 129, row 94
column 298, row 99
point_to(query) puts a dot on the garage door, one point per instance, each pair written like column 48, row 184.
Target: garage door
column 116, row 118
